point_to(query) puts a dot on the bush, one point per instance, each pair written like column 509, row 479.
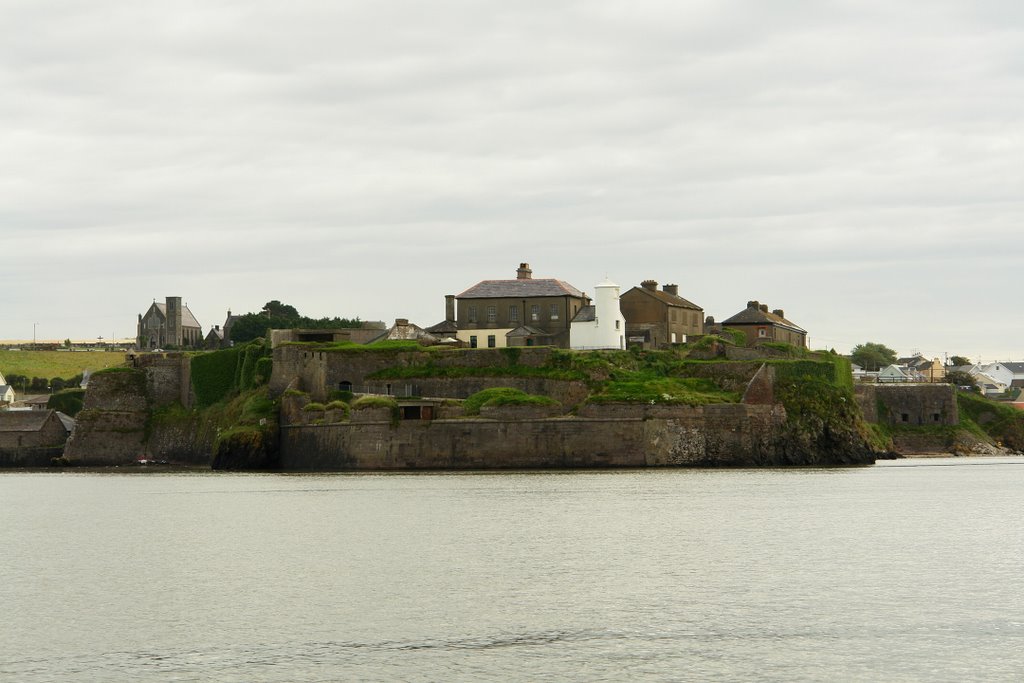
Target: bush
column 68, row 401
column 365, row 402
column 341, row 395
column 503, row 396
column 314, row 406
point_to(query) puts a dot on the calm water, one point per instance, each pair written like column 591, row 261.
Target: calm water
column 905, row 571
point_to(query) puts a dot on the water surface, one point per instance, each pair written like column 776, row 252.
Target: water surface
column 905, row 571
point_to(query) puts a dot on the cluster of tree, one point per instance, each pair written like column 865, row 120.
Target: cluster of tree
column 41, row 385
column 278, row 316
column 872, row 356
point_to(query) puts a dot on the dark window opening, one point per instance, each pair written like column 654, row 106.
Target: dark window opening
column 904, row 417
column 936, row 417
column 491, row 341
column 345, row 386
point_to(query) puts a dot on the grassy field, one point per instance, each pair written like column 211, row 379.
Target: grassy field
column 50, row 364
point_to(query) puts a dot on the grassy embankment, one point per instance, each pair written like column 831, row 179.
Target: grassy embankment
column 63, row 364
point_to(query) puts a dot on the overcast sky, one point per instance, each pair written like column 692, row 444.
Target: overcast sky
column 859, row 164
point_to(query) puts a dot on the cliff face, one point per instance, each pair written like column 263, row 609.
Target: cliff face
column 111, row 428
column 125, row 417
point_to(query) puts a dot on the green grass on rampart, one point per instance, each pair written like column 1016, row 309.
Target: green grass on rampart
column 503, row 396
column 1001, row 422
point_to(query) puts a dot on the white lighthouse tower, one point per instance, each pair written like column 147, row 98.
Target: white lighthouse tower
column 600, row 326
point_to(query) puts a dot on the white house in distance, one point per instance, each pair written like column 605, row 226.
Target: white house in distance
column 6, row 391
column 600, row 326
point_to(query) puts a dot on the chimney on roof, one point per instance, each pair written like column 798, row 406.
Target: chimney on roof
column 764, row 308
column 524, row 272
column 779, row 312
column 449, row 308
column 401, row 322
column 671, row 289
column 650, row 284
column 753, row 304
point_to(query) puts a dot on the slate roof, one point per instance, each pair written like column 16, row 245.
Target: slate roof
column 670, row 299
column 23, row 420
column 66, row 420
column 1015, row 368
column 755, row 316
column 519, row 289
column 527, row 331
column 585, row 315
column 444, row 327
column 187, row 319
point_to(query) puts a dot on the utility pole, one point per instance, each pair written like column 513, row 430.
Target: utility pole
column 34, row 333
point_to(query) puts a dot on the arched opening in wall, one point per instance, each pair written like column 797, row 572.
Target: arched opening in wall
column 345, row 386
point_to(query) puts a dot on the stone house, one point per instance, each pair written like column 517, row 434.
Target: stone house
column 762, row 325
column 656, row 318
column 519, row 312
column 32, row 437
column 168, row 324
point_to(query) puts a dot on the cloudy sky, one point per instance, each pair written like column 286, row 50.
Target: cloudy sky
column 857, row 163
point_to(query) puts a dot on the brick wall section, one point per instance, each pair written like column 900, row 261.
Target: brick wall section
column 712, row 435
column 514, row 413
column 908, row 404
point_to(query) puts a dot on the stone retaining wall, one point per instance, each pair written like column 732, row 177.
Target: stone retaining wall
column 712, row 435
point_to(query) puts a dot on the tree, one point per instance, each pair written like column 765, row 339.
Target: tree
column 962, row 379
column 960, row 360
column 278, row 316
column 872, row 355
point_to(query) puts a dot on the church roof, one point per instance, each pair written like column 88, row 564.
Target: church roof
column 187, row 319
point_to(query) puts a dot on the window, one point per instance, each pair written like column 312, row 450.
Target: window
column 762, row 332
column 554, row 312
column 472, row 314
column 616, row 324
column 513, row 314
column 491, row 341
column 534, row 313
column 492, row 314
column 904, row 417
column 672, row 314
column 472, row 341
